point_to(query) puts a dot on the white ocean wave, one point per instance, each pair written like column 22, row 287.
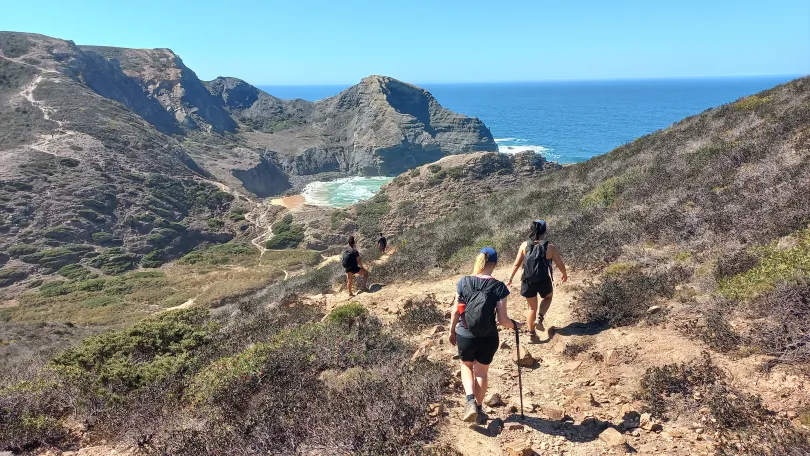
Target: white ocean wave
column 498, row 140
column 343, row 192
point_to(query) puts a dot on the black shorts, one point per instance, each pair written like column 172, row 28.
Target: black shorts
column 480, row 349
column 531, row 290
column 353, row 270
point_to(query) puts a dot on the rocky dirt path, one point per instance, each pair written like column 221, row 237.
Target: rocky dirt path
column 27, row 94
column 579, row 404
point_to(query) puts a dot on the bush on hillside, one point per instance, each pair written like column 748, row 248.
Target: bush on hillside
column 345, row 384
column 785, row 331
column 109, row 366
column 744, row 425
column 421, row 313
column 370, row 214
column 33, row 403
column 622, row 298
column 9, row 276
column 286, row 234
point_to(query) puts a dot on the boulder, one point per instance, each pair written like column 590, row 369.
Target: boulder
column 514, row 427
column 493, row 400
column 518, row 448
column 612, row 437
column 553, row 412
column 526, row 359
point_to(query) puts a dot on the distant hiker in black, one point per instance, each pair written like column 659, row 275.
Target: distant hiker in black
column 480, row 298
column 536, row 256
column 382, row 243
column 352, row 264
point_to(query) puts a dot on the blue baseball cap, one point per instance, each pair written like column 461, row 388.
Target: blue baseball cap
column 492, row 255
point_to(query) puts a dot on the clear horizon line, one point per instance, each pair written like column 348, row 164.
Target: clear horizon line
column 530, row 81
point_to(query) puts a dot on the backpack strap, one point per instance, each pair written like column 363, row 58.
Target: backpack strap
column 548, row 262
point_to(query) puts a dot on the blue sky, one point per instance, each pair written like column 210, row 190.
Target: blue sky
column 430, row 41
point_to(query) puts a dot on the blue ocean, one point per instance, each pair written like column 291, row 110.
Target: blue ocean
column 568, row 121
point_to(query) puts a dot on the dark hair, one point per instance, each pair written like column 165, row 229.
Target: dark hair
column 351, row 241
column 381, row 233
column 538, row 229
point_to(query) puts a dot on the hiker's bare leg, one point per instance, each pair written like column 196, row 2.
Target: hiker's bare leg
column 481, row 373
column 531, row 313
column 349, row 282
column 364, row 273
column 545, row 304
column 467, row 377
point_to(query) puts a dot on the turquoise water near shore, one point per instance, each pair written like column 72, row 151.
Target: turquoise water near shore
column 566, row 121
column 343, row 192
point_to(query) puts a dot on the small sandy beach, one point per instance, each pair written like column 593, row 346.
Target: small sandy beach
column 290, row 202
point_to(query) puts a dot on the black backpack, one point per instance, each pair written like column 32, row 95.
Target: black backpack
column 536, row 268
column 349, row 259
column 480, row 302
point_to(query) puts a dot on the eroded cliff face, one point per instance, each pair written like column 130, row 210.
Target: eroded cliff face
column 163, row 77
column 265, row 179
column 380, row 126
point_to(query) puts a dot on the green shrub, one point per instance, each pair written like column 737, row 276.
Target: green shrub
column 33, row 404
column 219, row 254
column 347, row 314
column 103, row 238
column 91, row 285
column 154, row 259
column 59, row 233
column 370, row 214
column 90, row 214
column 75, row 272
column 9, row 276
column 573, row 349
column 108, row 366
column 414, row 172
column 114, row 261
column 18, row 250
column 603, row 195
column 456, row 172
column 286, row 235
column 774, row 265
column 51, row 260
column 434, row 168
column 56, row 288
column 99, row 301
column 215, row 223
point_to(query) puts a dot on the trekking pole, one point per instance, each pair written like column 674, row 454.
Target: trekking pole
column 520, row 378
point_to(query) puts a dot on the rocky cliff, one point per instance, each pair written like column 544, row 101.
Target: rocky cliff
column 106, row 154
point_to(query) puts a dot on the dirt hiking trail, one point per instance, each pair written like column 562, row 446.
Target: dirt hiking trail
column 594, row 388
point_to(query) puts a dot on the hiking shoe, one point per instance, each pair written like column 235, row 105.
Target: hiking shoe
column 481, row 417
column 470, row 412
column 539, row 325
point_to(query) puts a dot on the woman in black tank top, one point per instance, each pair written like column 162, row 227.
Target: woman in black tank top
column 531, row 286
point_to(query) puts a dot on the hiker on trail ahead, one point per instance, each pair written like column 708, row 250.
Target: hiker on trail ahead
column 536, row 256
column 382, row 243
column 353, row 265
column 479, row 299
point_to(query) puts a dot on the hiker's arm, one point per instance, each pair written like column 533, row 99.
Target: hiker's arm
column 453, row 321
column 518, row 262
column 555, row 255
column 503, row 316
column 360, row 262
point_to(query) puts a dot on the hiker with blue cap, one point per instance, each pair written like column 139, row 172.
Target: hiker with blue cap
column 536, row 256
column 479, row 306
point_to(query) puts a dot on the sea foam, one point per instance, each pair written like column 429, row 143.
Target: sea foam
column 343, row 192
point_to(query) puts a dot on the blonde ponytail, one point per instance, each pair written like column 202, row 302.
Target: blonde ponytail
column 480, row 262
